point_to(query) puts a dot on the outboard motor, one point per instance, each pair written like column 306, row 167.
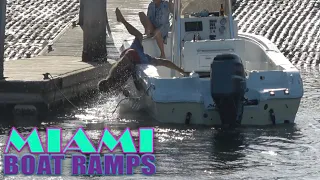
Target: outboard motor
column 228, row 86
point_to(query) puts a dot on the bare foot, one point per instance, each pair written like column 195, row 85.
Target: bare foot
column 119, row 15
column 147, row 33
column 162, row 56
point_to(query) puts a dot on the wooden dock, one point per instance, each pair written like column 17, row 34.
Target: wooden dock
column 27, row 90
column 44, row 82
column 33, row 86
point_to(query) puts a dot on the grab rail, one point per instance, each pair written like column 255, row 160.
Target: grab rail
column 214, row 50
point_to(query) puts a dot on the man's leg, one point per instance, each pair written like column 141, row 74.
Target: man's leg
column 159, row 38
column 168, row 64
column 145, row 21
column 132, row 30
column 150, row 29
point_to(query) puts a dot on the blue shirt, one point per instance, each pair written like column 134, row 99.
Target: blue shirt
column 159, row 16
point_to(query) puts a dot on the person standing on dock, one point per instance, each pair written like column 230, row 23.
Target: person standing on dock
column 156, row 22
column 124, row 68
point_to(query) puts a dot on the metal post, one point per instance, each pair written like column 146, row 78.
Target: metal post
column 81, row 14
column 2, row 35
column 231, row 26
column 176, row 39
column 94, row 30
column 178, row 34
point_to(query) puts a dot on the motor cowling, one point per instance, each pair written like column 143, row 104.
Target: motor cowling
column 228, row 86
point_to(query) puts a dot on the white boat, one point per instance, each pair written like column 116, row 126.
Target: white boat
column 235, row 78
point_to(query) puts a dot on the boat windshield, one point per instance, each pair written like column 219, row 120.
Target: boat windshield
column 194, row 6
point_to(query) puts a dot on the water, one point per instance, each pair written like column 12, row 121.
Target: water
column 186, row 152
column 183, row 152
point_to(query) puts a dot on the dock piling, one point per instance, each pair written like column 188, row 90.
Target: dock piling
column 93, row 23
column 2, row 35
column 37, row 85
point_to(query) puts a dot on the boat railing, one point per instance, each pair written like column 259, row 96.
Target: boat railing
column 214, row 50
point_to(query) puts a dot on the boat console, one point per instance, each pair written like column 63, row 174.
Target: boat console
column 205, row 28
column 201, row 40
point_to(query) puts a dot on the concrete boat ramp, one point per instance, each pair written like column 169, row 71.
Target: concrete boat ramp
column 33, row 86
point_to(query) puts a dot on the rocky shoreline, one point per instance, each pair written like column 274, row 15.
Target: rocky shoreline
column 294, row 26
column 32, row 24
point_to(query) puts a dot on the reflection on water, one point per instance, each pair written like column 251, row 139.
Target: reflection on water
column 202, row 152
column 191, row 151
column 227, row 147
column 197, row 151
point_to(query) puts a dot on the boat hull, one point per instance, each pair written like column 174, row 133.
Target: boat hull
column 272, row 81
column 170, row 107
column 284, row 112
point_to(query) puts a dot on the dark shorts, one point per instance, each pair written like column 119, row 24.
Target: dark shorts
column 137, row 53
column 133, row 54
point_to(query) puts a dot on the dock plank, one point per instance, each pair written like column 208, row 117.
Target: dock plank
column 33, row 68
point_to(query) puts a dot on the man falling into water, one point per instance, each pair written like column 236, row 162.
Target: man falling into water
column 124, row 68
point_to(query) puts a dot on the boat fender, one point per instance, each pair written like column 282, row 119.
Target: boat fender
column 188, row 118
column 272, row 116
